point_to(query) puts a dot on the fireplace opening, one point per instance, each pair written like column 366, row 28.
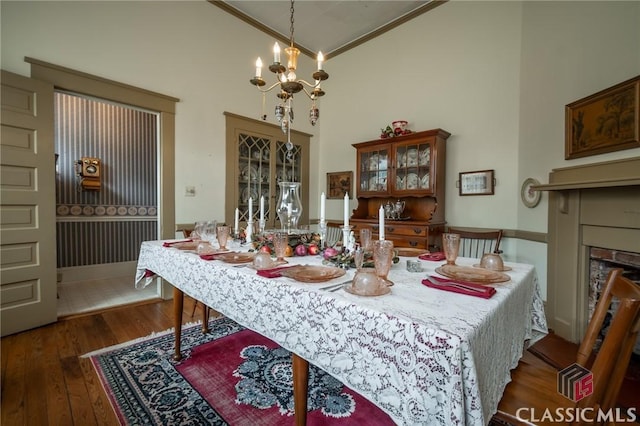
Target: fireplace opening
column 601, row 261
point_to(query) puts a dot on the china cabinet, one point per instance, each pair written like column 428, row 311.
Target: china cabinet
column 405, row 174
column 257, row 162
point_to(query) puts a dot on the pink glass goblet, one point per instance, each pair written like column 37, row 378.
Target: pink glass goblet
column 382, row 259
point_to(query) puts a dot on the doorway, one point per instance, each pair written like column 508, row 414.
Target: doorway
column 106, row 199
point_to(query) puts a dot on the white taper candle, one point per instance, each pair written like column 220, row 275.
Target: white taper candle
column 381, row 222
column 346, row 209
column 262, row 207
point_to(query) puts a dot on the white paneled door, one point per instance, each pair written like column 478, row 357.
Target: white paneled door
column 27, row 205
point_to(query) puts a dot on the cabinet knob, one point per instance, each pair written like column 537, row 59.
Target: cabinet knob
column 413, row 243
column 389, row 228
column 417, row 230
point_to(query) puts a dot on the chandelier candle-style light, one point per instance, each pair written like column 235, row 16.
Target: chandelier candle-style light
column 289, row 84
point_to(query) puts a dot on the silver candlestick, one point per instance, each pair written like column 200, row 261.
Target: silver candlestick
column 322, row 226
column 249, row 231
column 346, row 233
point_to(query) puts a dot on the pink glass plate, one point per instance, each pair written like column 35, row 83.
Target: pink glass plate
column 313, row 273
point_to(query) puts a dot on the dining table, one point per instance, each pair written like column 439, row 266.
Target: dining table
column 423, row 355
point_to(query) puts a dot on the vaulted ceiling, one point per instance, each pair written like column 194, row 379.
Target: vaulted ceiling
column 332, row 27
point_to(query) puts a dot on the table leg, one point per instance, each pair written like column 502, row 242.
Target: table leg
column 178, row 303
column 205, row 318
column 300, row 388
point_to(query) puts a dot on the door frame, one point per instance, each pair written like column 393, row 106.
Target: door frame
column 79, row 82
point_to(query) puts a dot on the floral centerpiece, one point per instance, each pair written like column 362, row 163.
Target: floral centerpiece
column 346, row 259
column 300, row 243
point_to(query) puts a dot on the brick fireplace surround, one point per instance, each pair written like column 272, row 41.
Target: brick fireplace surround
column 601, row 261
column 593, row 208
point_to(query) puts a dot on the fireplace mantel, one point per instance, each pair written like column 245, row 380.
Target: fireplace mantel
column 625, row 172
column 589, row 205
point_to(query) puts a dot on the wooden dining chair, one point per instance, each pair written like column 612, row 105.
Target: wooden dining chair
column 535, row 386
column 476, row 243
column 334, row 235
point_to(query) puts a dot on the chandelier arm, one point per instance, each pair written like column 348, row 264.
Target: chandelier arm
column 270, row 88
column 309, row 95
column 313, row 86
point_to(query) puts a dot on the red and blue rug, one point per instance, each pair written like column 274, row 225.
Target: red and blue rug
column 229, row 376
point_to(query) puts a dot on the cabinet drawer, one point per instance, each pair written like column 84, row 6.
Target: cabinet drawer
column 408, row 230
column 398, row 241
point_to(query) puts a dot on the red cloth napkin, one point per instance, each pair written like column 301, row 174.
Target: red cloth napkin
column 212, row 256
column 171, row 243
column 272, row 273
column 462, row 287
column 437, row 256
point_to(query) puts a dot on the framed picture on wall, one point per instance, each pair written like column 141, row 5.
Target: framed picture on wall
column 339, row 183
column 481, row 182
column 603, row 122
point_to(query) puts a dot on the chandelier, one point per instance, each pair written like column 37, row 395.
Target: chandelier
column 288, row 84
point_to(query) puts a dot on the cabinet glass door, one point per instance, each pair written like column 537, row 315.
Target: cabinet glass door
column 413, row 167
column 254, row 162
column 374, row 170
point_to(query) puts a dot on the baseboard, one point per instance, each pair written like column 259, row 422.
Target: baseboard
column 95, row 272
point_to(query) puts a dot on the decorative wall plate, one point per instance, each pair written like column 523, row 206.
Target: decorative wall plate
column 530, row 197
column 63, row 210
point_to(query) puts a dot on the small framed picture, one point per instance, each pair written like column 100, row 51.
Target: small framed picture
column 338, row 184
column 481, row 182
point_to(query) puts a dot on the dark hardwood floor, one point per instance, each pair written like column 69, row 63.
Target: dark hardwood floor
column 45, row 381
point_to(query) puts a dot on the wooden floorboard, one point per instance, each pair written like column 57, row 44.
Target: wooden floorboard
column 45, row 380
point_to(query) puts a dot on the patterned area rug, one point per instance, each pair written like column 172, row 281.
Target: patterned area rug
column 230, row 376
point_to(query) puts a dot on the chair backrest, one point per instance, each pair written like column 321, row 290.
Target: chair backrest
column 334, row 235
column 475, row 244
column 612, row 358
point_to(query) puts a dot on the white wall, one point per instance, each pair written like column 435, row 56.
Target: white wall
column 456, row 68
column 495, row 74
column 570, row 50
column 186, row 49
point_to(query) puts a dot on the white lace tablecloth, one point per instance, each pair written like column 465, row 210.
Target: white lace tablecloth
column 425, row 356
